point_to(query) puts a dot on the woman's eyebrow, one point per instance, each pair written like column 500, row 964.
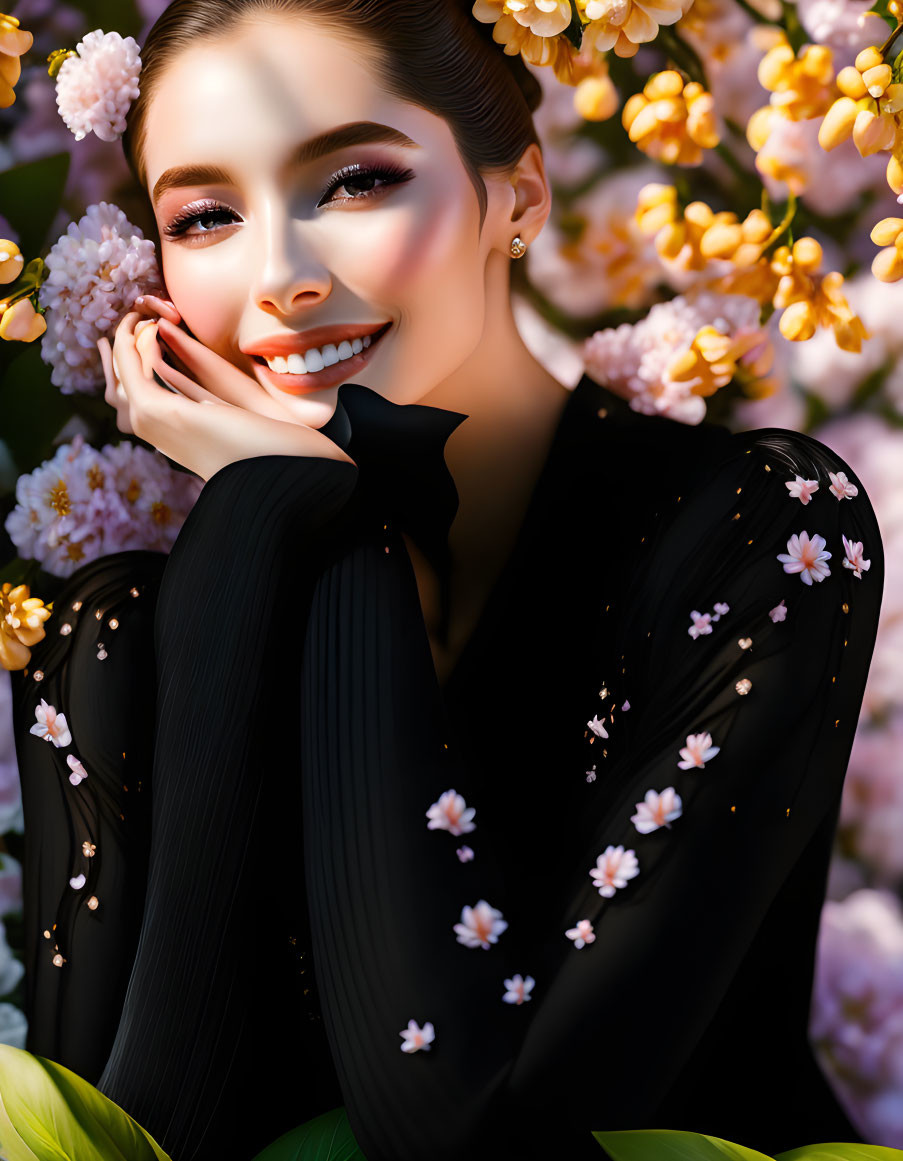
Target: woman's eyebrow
column 357, row 133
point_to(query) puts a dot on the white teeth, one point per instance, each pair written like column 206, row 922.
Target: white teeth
column 315, row 359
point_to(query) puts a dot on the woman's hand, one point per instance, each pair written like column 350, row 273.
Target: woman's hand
column 202, row 425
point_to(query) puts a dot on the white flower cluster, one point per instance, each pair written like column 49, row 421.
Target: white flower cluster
column 633, row 359
column 95, row 88
column 96, row 270
column 84, row 503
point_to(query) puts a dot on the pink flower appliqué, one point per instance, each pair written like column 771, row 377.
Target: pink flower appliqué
column 77, row 882
column 480, row 926
column 417, row 1039
column 451, row 813
column 518, row 990
column 582, row 934
column 720, row 609
column 778, row 613
column 78, row 771
column 50, row 725
column 702, row 623
column 802, row 490
column 598, row 727
column 614, row 867
column 807, row 557
column 854, row 560
column 698, row 751
column 841, row 486
column 657, row 810
column 465, row 854
column 625, row 706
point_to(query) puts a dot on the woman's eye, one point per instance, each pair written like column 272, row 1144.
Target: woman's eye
column 360, row 182
column 200, row 222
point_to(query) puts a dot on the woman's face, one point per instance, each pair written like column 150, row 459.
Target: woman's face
column 269, row 251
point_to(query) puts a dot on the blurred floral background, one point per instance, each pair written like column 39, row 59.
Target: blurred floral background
column 724, row 245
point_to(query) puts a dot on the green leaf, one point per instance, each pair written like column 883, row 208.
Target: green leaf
column 33, row 409
column 325, row 1138
column 673, row 1145
column 50, row 1113
column 838, row 1151
column 880, row 8
column 30, row 196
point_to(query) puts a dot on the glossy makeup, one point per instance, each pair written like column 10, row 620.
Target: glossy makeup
column 269, row 234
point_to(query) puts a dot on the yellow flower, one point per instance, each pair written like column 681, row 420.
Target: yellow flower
column 867, row 108
column 801, row 86
column 714, row 359
column 543, row 17
column 11, row 261
column 22, row 620
column 887, row 265
column 623, row 25
column 21, row 322
column 672, row 121
column 596, row 98
column 811, row 300
column 13, row 43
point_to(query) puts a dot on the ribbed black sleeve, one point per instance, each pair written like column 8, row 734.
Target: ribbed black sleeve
column 214, row 1013
column 609, row 1026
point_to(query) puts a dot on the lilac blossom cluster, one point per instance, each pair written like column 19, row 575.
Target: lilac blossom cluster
column 96, row 270
column 84, row 503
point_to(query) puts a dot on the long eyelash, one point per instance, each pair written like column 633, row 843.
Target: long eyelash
column 392, row 172
column 188, row 217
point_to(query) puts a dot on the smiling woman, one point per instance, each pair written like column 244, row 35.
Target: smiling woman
column 494, row 733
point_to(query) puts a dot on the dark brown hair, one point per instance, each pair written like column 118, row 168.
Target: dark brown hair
column 430, row 53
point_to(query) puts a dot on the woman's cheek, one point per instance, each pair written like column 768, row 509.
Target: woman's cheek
column 205, row 297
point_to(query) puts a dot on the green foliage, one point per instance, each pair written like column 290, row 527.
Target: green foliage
column 880, row 7
column 30, row 195
column 49, row 1113
column 840, row 1151
column 673, row 1145
column 33, row 409
column 325, row 1138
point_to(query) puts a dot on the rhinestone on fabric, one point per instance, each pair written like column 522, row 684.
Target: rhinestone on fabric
column 743, row 686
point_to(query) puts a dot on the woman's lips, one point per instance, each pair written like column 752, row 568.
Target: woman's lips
column 319, row 380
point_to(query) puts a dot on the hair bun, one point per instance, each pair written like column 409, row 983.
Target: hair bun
column 525, row 80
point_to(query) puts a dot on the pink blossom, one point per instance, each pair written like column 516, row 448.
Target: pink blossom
column 417, row 1039
column 78, row 771
column 597, row 727
column 702, row 623
column 480, row 926
column 698, row 751
column 807, row 557
column 95, row 88
column 778, row 613
column 591, row 775
column 625, row 706
column 657, row 810
column 95, row 271
column 854, row 559
column 465, row 854
column 451, row 813
column 77, row 882
column 518, row 990
column 51, row 725
column 720, row 609
column 802, row 490
column 841, row 486
column 633, row 359
column 582, row 934
column 614, row 867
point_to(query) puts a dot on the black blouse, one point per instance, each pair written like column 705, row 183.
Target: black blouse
column 267, row 907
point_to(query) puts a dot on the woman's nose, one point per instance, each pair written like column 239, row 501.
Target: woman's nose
column 290, row 274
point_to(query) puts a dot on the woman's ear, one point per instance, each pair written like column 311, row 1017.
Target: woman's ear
column 533, row 198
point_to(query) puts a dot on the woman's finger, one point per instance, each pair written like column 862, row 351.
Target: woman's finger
column 183, row 384
column 224, row 381
column 161, row 306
